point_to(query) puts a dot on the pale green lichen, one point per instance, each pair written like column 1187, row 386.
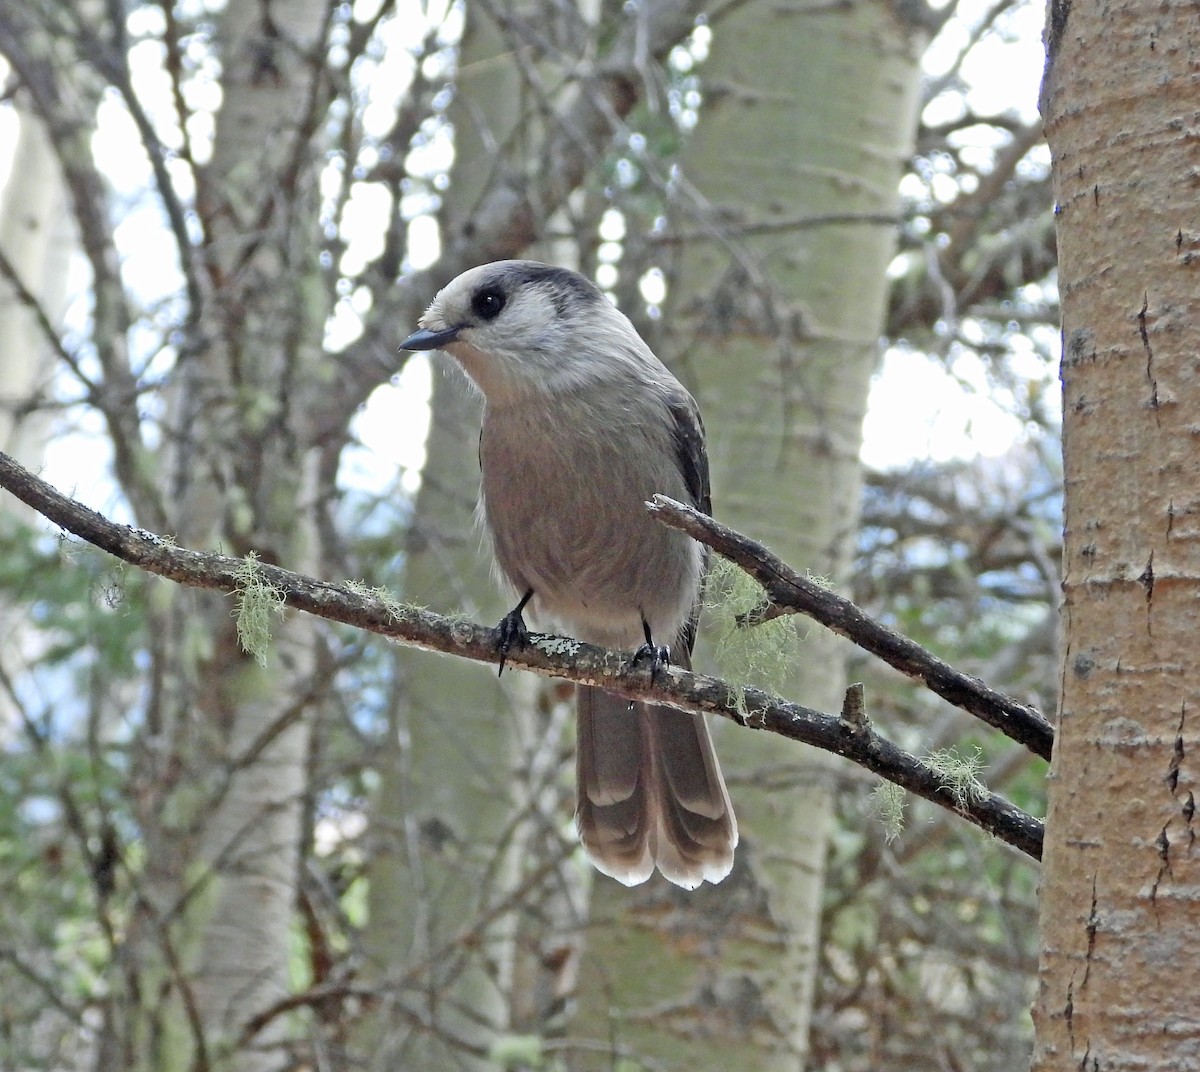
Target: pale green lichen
column 395, row 607
column 960, row 774
column 888, row 802
column 759, row 654
column 258, row 602
column 820, row 580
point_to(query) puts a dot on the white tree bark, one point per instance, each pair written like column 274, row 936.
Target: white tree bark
column 36, row 241
column 241, row 480
column 774, row 322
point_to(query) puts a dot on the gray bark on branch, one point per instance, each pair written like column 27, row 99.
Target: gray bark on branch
column 853, row 738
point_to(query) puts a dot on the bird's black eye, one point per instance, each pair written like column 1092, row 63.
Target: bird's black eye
column 487, row 302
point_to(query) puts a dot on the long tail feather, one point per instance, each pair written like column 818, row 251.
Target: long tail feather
column 650, row 793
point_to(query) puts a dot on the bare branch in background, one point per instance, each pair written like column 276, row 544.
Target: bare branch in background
column 68, row 115
column 515, row 209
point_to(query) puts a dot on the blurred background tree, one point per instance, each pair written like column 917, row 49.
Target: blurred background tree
column 358, row 856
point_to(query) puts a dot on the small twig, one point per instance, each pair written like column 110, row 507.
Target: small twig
column 791, row 592
column 854, row 708
column 50, row 336
column 551, row 657
column 510, row 213
column 115, row 67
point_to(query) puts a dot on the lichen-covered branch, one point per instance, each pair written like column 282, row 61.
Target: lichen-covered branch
column 791, row 592
column 854, row 739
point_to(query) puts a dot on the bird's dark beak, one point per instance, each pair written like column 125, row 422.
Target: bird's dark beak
column 430, row 340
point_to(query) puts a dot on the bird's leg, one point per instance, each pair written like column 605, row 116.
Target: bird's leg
column 658, row 654
column 511, row 632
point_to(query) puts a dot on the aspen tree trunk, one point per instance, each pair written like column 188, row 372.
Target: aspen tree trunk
column 444, row 826
column 775, row 325
column 35, row 239
column 490, row 760
column 1120, row 902
column 223, row 842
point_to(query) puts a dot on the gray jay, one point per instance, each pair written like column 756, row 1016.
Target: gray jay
column 581, row 425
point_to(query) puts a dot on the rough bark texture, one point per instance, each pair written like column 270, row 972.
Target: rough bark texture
column 1122, row 874
column 445, row 832
column 775, row 326
column 238, row 478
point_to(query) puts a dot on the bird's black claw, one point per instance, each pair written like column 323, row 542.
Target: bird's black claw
column 511, row 632
column 511, row 635
column 658, row 655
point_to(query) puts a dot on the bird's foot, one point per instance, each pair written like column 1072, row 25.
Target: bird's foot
column 511, row 633
column 659, row 655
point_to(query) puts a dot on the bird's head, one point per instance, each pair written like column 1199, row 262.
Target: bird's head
column 518, row 327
